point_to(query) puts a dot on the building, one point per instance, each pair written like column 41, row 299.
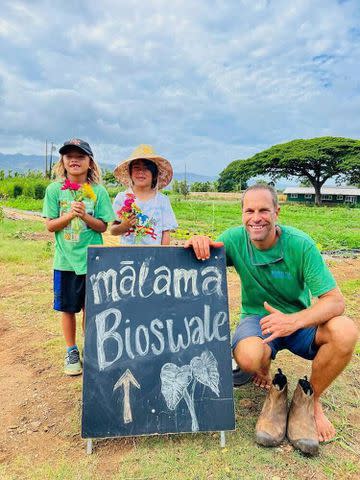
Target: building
column 329, row 195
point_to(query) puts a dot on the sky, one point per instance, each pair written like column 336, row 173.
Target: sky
column 203, row 82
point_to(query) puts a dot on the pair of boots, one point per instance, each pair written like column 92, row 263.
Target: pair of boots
column 298, row 424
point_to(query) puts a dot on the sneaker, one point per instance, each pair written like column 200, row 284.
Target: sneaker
column 72, row 364
column 240, row 378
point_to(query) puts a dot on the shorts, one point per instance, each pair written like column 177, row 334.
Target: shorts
column 301, row 342
column 69, row 291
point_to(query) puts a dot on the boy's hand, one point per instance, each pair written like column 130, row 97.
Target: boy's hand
column 78, row 208
column 201, row 245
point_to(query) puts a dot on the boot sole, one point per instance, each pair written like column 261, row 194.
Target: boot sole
column 306, row 446
column 266, row 440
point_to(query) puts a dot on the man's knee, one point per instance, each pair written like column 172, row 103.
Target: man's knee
column 341, row 332
column 251, row 354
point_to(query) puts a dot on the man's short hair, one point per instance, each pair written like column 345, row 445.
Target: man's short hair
column 262, row 186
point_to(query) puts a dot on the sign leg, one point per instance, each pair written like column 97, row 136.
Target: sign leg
column 89, row 446
column 222, row 439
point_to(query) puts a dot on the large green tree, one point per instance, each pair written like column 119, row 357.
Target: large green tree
column 233, row 178
column 316, row 159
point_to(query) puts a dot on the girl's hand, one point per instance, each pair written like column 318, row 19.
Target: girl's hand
column 129, row 222
column 78, row 208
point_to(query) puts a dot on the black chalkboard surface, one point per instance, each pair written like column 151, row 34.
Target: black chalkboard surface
column 157, row 343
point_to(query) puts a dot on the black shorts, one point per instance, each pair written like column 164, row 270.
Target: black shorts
column 69, row 291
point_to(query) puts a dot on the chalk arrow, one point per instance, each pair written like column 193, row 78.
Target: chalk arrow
column 126, row 378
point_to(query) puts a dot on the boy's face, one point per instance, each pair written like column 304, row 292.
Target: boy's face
column 76, row 162
column 140, row 174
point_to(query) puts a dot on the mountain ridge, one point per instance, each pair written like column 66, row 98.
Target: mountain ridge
column 18, row 162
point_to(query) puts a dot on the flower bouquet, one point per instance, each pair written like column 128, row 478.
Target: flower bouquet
column 79, row 193
column 144, row 224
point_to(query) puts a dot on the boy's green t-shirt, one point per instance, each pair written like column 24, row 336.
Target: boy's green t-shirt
column 285, row 275
column 71, row 243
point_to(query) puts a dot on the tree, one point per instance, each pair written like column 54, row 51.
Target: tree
column 201, row 187
column 316, row 159
column 305, row 182
column 184, row 188
column 180, row 186
column 108, row 177
column 233, row 177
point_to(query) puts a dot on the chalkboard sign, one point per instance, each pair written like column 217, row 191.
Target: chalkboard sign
column 157, row 343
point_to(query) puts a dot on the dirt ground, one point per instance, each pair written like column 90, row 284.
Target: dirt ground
column 35, row 398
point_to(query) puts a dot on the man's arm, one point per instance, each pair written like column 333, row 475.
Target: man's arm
column 201, row 245
column 330, row 304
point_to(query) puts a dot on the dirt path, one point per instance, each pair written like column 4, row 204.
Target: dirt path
column 38, row 403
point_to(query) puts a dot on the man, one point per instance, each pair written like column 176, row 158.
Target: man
column 280, row 269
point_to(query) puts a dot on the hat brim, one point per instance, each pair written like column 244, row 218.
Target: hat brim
column 65, row 148
column 165, row 170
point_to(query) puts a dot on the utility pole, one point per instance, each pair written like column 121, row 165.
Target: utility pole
column 46, row 158
column 185, row 183
column 53, row 148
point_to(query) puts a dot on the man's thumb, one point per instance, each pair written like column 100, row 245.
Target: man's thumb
column 269, row 308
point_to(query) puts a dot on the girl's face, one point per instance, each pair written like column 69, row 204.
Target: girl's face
column 141, row 176
column 76, row 164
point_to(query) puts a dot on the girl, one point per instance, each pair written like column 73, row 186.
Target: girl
column 144, row 214
column 77, row 208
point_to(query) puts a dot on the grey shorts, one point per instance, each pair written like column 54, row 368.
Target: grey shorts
column 301, row 342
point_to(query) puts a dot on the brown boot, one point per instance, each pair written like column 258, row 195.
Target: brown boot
column 271, row 425
column 301, row 427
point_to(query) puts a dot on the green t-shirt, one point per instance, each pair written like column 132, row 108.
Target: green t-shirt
column 285, row 275
column 71, row 243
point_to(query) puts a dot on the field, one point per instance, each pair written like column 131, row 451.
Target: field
column 331, row 228
column 40, row 408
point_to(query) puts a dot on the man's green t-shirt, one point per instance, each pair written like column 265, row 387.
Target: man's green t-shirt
column 285, row 275
column 71, row 243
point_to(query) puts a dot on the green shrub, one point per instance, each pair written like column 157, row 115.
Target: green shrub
column 39, row 191
column 18, row 190
column 28, row 189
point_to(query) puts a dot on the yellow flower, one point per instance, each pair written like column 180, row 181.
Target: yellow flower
column 88, row 191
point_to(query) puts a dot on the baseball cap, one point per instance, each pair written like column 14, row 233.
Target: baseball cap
column 78, row 143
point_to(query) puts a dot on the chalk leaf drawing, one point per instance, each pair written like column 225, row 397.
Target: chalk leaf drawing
column 205, row 371
column 176, row 380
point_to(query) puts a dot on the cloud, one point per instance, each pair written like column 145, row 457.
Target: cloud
column 204, row 82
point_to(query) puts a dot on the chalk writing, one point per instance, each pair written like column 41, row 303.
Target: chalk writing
column 156, row 337
column 131, row 281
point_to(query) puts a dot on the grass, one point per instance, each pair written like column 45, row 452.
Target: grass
column 330, row 227
column 198, row 457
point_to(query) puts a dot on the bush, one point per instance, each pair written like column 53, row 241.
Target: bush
column 18, row 190
column 39, row 191
column 28, row 189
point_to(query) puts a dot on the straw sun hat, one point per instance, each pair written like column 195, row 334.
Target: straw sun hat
column 165, row 171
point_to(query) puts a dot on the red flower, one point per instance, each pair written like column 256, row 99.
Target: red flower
column 70, row 185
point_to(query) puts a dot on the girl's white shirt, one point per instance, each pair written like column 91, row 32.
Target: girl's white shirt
column 158, row 208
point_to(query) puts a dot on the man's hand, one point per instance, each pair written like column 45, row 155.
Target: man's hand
column 201, row 245
column 277, row 324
